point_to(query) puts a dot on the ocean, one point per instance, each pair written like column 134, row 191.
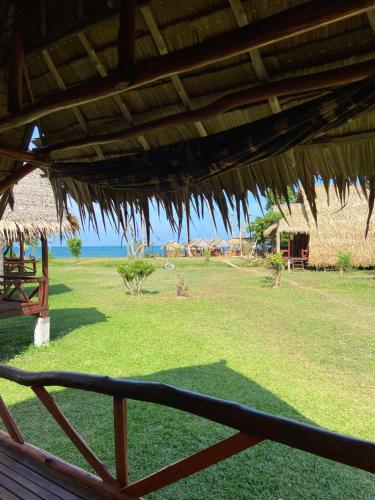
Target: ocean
column 62, row 252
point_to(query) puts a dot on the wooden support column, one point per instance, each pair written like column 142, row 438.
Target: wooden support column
column 126, row 40
column 16, row 60
column 22, row 254
column 121, row 439
column 278, row 238
column 42, row 323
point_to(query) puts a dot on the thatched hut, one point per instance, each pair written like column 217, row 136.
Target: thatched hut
column 173, row 248
column 31, row 216
column 339, row 226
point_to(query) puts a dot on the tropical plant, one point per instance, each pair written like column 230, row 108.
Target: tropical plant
column 75, row 247
column 134, row 274
column 277, row 265
column 181, row 287
column 31, row 245
column 344, row 262
column 258, row 227
column 207, row 255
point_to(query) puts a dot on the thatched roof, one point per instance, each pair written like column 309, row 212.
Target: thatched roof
column 34, row 212
column 172, row 244
column 98, row 144
column 338, row 227
column 198, row 243
column 218, row 243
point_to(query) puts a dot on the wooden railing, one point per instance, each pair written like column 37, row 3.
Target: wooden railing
column 15, row 265
column 253, row 426
column 13, row 288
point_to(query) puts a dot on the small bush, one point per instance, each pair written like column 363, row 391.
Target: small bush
column 181, row 287
column 135, row 274
column 277, row 264
column 207, row 255
column 75, row 247
column 344, row 262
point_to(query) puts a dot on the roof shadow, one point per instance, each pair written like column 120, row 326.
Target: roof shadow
column 58, row 289
column 159, row 436
column 16, row 334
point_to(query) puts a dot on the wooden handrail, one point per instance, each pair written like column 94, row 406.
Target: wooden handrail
column 345, row 449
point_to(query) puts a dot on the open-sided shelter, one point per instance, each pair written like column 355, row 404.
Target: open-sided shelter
column 173, row 248
column 183, row 104
column 31, row 216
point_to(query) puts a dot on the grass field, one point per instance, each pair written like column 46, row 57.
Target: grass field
column 304, row 351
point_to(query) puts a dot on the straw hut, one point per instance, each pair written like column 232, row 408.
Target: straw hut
column 173, row 248
column 31, row 216
column 340, row 226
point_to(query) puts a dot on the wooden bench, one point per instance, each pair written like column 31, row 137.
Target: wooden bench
column 26, row 470
column 17, row 300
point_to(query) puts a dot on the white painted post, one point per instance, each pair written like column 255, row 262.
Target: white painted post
column 289, row 265
column 41, row 331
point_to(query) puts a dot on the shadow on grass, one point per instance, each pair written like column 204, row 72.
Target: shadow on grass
column 58, row 289
column 16, row 334
column 159, row 436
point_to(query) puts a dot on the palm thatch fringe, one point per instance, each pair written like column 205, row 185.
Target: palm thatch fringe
column 272, row 154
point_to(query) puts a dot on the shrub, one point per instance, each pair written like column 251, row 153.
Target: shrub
column 135, row 274
column 277, row 264
column 181, row 287
column 75, row 247
column 207, row 255
column 344, row 262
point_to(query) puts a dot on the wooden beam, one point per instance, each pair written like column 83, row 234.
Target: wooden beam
column 126, row 40
column 103, row 73
column 175, row 79
column 49, row 403
column 23, row 155
column 241, row 17
column 16, row 59
column 288, row 23
column 76, row 111
column 191, row 465
column 234, row 100
column 9, row 422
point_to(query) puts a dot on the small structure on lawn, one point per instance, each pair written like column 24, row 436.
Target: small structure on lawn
column 173, row 248
column 218, row 246
column 30, row 215
column 198, row 246
column 340, row 226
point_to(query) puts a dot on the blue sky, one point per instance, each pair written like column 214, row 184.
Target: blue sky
column 161, row 228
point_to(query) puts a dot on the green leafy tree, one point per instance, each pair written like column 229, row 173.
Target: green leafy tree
column 134, row 274
column 75, row 247
column 344, row 262
column 258, row 227
column 277, row 265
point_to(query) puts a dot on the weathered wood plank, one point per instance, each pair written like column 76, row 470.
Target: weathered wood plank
column 193, row 464
column 9, row 422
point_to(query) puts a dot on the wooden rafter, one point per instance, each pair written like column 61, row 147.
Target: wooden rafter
column 175, row 79
column 15, row 64
column 286, row 24
column 104, row 73
column 76, row 111
column 16, row 176
column 230, row 101
column 126, row 40
column 255, row 56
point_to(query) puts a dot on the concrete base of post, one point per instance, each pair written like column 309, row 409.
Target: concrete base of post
column 41, row 331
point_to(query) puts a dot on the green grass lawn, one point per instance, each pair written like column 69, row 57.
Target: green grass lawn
column 304, row 351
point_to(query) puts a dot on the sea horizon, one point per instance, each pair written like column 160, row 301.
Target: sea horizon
column 95, row 251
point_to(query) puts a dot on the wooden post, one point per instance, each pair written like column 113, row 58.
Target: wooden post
column 121, row 439
column 278, row 238
column 21, row 267
column 289, row 255
column 42, row 324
